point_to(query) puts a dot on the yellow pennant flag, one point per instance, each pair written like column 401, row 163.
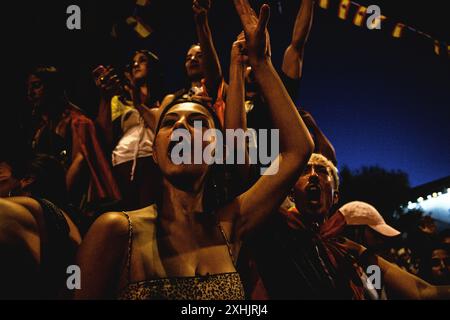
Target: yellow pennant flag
column 344, row 7
column 142, row 29
column 324, row 4
column 359, row 16
column 398, row 30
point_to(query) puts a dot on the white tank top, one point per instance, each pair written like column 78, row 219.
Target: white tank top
column 136, row 142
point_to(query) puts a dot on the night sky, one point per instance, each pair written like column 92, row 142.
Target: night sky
column 381, row 101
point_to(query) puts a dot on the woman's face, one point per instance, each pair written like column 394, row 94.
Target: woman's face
column 35, row 90
column 139, row 69
column 179, row 145
column 193, row 63
column 440, row 267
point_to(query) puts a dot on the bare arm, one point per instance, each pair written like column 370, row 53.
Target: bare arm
column 405, row 285
column 296, row 144
column 102, row 257
column 323, row 145
column 149, row 115
column 399, row 283
column 108, row 83
column 210, row 61
column 293, row 56
column 75, row 170
column 235, row 117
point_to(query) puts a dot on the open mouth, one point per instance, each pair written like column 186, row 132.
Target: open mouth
column 194, row 64
column 313, row 193
column 172, row 145
column 180, row 152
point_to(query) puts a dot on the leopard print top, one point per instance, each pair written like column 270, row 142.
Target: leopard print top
column 223, row 286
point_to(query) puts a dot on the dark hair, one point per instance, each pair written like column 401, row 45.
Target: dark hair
column 53, row 83
column 179, row 99
column 155, row 78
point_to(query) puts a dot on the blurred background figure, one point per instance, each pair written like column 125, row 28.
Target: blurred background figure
column 126, row 117
column 58, row 128
column 436, row 269
column 38, row 239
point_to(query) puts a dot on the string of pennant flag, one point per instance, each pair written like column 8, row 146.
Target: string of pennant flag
column 362, row 16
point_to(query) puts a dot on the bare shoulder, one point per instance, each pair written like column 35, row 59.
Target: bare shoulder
column 112, row 224
column 29, row 203
column 107, row 236
column 11, row 210
column 142, row 219
column 115, row 227
column 16, row 221
column 35, row 208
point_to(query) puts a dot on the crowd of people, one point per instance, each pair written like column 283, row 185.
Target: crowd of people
column 105, row 195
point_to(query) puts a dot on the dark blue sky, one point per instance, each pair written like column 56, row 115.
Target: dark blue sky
column 381, row 101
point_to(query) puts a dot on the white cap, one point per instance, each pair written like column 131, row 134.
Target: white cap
column 361, row 213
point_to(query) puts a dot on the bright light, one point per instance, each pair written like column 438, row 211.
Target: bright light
column 439, row 193
column 420, row 199
column 428, row 197
column 434, row 194
column 411, row 205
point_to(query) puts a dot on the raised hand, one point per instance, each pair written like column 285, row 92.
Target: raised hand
column 255, row 29
column 239, row 50
column 201, row 8
column 107, row 81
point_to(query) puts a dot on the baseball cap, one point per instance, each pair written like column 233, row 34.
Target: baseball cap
column 362, row 213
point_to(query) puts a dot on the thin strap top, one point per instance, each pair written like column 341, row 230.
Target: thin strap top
column 130, row 245
column 225, row 286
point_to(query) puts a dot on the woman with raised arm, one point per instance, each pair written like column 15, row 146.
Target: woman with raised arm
column 180, row 248
column 127, row 118
column 202, row 66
